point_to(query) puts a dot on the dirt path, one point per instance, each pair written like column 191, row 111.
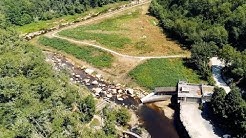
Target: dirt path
column 107, row 15
column 123, row 63
column 114, row 52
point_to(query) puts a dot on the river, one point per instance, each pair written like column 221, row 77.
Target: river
column 151, row 116
column 155, row 122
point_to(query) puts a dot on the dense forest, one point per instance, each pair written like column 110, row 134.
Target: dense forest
column 206, row 26
column 212, row 28
column 21, row 12
column 36, row 101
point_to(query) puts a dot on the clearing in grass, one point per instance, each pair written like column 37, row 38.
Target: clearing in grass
column 94, row 56
column 132, row 32
column 163, row 73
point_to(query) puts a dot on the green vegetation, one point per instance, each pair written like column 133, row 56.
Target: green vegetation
column 111, row 117
column 210, row 28
column 122, row 116
column 162, row 72
column 41, row 25
column 132, row 32
column 109, row 39
column 94, row 56
column 235, row 62
column 230, row 110
column 95, row 122
column 36, row 101
column 201, row 54
column 23, row 12
column 203, row 26
column 87, row 107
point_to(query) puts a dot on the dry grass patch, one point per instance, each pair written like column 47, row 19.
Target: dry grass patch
column 132, row 32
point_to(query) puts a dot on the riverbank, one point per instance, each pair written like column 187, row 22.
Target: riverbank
column 116, row 94
column 165, row 107
column 106, row 92
column 155, row 122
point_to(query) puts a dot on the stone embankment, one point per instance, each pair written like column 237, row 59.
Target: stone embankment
column 32, row 35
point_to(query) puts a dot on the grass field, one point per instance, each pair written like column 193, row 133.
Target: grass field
column 40, row 25
column 162, row 73
column 104, row 32
column 133, row 32
column 95, row 57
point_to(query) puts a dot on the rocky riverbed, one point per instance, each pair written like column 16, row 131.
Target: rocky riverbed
column 100, row 87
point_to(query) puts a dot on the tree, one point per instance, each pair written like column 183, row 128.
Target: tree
column 217, row 34
column 87, row 108
column 218, row 102
column 109, row 128
column 122, row 116
column 228, row 54
column 200, row 55
column 23, row 12
column 235, row 112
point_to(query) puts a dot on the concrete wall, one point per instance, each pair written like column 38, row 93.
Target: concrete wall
column 189, row 99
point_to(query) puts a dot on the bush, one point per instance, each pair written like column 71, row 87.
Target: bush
column 211, row 80
column 122, row 116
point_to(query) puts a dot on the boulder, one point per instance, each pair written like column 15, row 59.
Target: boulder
column 120, row 99
column 82, row 67
column 130, row 91
column 95, row 82
column 114, row 91
column 97, row 90
column 109, row 95
column 99, row 76
column 86, row 80
column 120, row 91
column 89, row 71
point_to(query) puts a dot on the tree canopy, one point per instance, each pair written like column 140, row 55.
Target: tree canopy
column 36, row 101
column 23, row 12
column 202, row 25
column 230, row 110
column 212, row 28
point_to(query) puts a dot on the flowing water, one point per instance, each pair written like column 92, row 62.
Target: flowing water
column 156, row 123
column 153, row 118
